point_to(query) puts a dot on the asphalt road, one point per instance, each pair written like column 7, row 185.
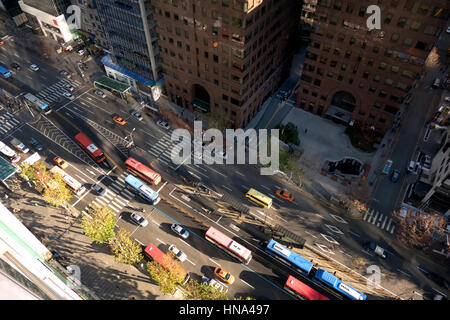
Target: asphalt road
column 336, row 236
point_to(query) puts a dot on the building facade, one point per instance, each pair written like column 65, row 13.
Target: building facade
column 49, row 15
column 225, row 54
column 361, row 77
column 12, row 8
column 90, row 22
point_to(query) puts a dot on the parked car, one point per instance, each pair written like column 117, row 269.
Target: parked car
column 163, row 124
column 100, row 93
column 60, row 162
column 436, row 278
column 136, row 114
column 36, row 144
column 138, row 219
column 19, row 145
column 387, row 167
column 65, row 74
column 15, row 66
column 213, row 283
column 395, row 176
column 372, row 246
column 180, row 255
column 413, row 167
column 224, row 275
column 284, row 195
column 34, row 67
column 99, row 189
column 180, row 230
column 68, row 95
column 68, row 87
column 119, row 120
column 436, row 83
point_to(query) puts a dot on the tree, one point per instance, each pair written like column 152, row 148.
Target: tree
column 125, row 249
column 202, row 291
column 36, row 172
column 218, row 118
column 166, row 280
column 288, row 133
column 99, row 225
column 57, row 193
column 415, row 229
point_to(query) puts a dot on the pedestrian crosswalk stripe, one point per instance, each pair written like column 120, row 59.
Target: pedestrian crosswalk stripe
column 118, row 206
column 8, row 125
column 124, row 197
column 15, row 121
column 153, row 153
column 122, row 203
column 114, row 208
column 376, row 216
column 115, row 188
column 96, row 204
column 393, row 228
column 384, row 222
column 120, row 183
column 102, row 201
column 128, row 193
column 4, row 131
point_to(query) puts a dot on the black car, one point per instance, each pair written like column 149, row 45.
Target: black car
column 436, row 278
column 15, row 66
column 395, row 175
column 36, row 144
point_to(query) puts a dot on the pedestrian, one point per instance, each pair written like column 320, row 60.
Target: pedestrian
column 306, row 130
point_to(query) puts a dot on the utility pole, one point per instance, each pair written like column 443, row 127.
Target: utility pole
column 131, row 141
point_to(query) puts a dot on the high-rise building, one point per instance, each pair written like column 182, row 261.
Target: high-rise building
column 49, row 15
column 224, row 54
column 12, row 8
column 361, row 77
column 130, row 31
column 90, row 22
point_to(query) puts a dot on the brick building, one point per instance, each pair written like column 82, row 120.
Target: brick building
column 359, row 77
column 229, row 54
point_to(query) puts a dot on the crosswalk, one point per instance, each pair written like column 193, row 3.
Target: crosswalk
column 116, row 196
column 55, row 91
column 8, row 122
column 379, row 220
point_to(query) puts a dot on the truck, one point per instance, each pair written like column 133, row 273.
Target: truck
column 9, row 153
column 387, row 167
column 372, row 246
column 19, row 145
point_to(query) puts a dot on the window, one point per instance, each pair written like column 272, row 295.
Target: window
column 394, row 37
column 401, row 22
column 376, row 78
column 382, row 66
column 388, row 19
column 317, row 82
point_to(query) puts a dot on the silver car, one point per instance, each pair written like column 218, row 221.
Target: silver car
column 180, row 230
column 163, row 124
column 138, row 219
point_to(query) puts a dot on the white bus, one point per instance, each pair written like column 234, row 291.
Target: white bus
column 9, row 153
column 40, row 105
column 76, row 187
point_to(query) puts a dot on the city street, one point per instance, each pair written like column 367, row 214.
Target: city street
column 328, row 230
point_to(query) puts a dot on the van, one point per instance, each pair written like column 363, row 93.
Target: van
column 436, row 83
column 19, row 145
column 372, row 246
column 413, row 167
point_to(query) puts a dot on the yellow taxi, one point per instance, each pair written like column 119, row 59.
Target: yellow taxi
column 284, row 195
column 224, row 275
column 119, row 120
column 60, row 162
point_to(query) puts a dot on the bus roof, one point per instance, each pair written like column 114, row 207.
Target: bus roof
column 336, row 283
column 142, row 168
column 133, row 181
column 151, row 194
column 260, row 195
column 303, row 289
column 81, row 138
column 156, row 254
column 290, row 255
column 227, row 242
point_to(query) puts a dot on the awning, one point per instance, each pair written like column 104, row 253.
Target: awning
column 201, row 105
column 111, row 84
column 6, row 169
column 107, row 61
column 339, row 113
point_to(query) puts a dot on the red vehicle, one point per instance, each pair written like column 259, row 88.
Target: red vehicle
column 239, row 251
column 142, row 171
column 90, row 148
column 298, row 288
column 168, row 263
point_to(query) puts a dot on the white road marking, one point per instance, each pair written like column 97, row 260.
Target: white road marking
column 214, row 262
column 190, row 261
column 354, row 233
column 403, row 272
column 227, row 188
column 155, row 222
column 239, row 173
column 265, row 187
column 311, row 234
column 184, row 242
column 160, row 241
column 439, row 292
column 247, row 284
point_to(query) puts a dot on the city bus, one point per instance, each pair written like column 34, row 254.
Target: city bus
column 288, row 256
column 76, row 187
column 168, row 263
column 259, row 198
column 6, row 73
column 301, row 290
column 142, row 189
column 335, row 283
column 237, row 250
column 90, row 148
column 40, row 105
column 142, row 171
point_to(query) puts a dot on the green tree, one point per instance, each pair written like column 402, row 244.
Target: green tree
column 99, row 225
column 288, row 133
column 202, row 291
column 218, row 118
column 36, row 172
column 56, row 192
column 166, row 280
column 125, row 249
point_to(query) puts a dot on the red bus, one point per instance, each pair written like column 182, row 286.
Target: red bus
column 169, row 264
column 142, row 171
column 298, row 288
column 90, row 148
column 218, row 238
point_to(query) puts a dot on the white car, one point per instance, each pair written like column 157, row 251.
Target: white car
column 180, row 230
column 68, row 87
column 100, row 93
column 138, row 219
column 65, row 74
column 447, row 99
column 136, row 114
column 163, row 124
column 34, row 67
column 68, row 95
column 180, row 255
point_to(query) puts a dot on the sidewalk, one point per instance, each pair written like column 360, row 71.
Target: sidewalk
column 106, row 278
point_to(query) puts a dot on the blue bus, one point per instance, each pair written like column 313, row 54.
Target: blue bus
column 6, row 73
column 295, row 260
column 40, row 105
column 142, row 189
column 335, row 283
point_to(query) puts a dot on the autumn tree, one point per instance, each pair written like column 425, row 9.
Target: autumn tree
column 98, row 225
column 125, row 249
column 218, row 118
column 57, row 193
column 166, row 280
column 203, row 291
